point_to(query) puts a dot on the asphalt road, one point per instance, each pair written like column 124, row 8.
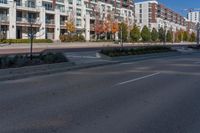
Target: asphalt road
column 151, row 96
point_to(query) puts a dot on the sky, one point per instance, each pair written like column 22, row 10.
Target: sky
column 179, row 5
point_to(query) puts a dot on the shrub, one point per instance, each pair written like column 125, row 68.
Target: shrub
column 72, row 38
column 137, row 51
column 154, row 35
column 25, row 41
column 24, row 60
column 146, row 34
column 135, row 34
column 162, row 35
column 123, row 28
column 169, row 36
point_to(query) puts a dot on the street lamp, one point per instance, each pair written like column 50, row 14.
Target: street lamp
column 165, row 29
column 121, row 32
column 198, row 33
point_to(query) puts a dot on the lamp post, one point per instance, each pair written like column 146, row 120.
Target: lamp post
column 198, row 33
column 165, row 29
column 121, row 30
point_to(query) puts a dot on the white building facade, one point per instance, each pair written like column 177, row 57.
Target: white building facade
column 49, row 16
column 155, row 15
column 194, row 16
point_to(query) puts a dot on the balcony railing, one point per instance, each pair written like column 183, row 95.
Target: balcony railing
column 3, row 18
column 26, row 20
column 26, row 4
column 50, row 22
column 62, row 22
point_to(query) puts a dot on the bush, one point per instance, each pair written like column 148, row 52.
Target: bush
column 143, row 50
column 72, row 38
column 25, row 41
column 24, row 60
column 154, row 35
column 135, row 34
column 146, row 34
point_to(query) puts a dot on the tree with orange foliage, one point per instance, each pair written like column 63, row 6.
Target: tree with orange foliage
column 98, row 27
column 115, row 28
column 70, row 25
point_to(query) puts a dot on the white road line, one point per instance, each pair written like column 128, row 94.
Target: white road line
column 136, row 79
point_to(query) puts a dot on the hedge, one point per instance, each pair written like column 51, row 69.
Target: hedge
column 135, row 51
column 72, row 38
column 25, row 41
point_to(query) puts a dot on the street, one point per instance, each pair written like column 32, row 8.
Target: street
column 151, row 96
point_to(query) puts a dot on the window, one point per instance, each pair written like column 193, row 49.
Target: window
column 78, row 22
column 78, row 12
column 47, row 5
column 78, row 2
column 70, row 2
column 60, row 7
column 3, row 1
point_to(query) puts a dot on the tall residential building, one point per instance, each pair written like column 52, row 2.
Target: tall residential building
column 49, row 16
column 119, row 10
column 155, row 15
column 194, row 16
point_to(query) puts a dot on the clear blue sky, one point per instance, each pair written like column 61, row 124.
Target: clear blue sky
column 179, row 5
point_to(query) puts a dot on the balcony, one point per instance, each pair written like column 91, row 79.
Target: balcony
column 26, row 20
column 3, row 18
column 3, row 2
column 62, row 22
column 51, row 22
column 61, row 1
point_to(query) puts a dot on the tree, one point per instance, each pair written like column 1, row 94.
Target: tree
column 176, row 36
column 180, row 35
column 135, row 33
column 114, row 28
column 123, row 28
column 185, row 36
column 161, row 33
column 154, row 35
column 70, row 26
column 146, row 34
column 169, row 36
column 192, row 37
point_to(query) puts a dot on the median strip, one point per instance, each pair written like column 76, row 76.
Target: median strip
column 136, row 79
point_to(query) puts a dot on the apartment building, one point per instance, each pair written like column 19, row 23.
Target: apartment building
column 120, row 10
column 48, row 17
column 155, row 15
column 194, row 16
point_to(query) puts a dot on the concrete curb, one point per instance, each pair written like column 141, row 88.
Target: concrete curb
column 29, row 71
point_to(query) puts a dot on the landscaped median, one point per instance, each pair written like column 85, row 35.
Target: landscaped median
column 16, row 61
column 123, row 53
column 21, row 66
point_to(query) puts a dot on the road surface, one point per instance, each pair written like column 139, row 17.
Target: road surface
column 152, row 96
